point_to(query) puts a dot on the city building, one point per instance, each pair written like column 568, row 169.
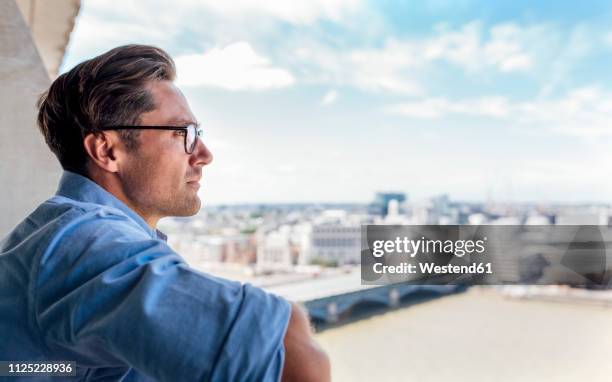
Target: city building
column 274, row 250
column 335, row 244
column 380, row 205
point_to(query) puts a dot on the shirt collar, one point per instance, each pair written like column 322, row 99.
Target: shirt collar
column 80, row 188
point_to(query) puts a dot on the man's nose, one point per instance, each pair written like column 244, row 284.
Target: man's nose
column 201, row 155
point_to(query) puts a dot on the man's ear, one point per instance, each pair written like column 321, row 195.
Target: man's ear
column 101, row 149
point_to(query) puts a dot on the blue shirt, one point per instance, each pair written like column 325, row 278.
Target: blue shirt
column 85, row 279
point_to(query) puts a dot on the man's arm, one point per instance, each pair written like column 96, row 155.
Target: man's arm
column 305, row 361
column 109, row 295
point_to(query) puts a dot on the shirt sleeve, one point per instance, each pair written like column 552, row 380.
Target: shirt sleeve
column 108, row 295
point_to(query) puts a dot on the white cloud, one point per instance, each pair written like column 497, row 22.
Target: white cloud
column 85, row 41
column 369, row 69
column 182, row 25
column 384, row 69
column 576, row 46
column 295, row 11
column 234, row 67
column 503, row 49
column 329, row 98
column 285, row 169
column 393, row 66
column 399, row 65
column 430, row 108
column 585, row 111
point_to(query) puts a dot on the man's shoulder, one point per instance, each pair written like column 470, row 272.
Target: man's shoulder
column 80, row 224
column 90, row 238
column 75, row 208
column 63, row 225
column 84, row 216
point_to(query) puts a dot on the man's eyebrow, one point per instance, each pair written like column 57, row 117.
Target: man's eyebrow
column 182, row 121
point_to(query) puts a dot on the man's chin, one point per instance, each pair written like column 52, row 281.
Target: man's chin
column 192, row 209
column 188, row 206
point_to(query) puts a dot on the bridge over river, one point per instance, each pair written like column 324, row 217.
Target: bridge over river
column 334, row 298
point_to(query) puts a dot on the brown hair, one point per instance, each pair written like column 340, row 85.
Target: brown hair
column 107, row 90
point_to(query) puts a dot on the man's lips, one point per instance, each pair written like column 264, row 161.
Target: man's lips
column 194, row 179
column 194, row 183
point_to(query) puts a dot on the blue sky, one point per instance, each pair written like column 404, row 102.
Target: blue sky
column 334, row 100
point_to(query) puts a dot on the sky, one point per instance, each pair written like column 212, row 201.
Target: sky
column 334, row 100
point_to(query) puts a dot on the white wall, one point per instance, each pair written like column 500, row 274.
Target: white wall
column 28, row 170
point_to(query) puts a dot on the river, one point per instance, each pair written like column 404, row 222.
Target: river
column 479, row 335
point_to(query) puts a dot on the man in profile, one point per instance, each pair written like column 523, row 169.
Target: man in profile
column 87, row 277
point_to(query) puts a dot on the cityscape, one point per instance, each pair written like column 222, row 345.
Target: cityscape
column 412, row 113
column 268, row 241
column 310, row 253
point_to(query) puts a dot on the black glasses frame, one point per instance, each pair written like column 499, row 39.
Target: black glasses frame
column 188, row 150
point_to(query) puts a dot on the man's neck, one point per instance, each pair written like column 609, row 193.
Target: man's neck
column 110, row 183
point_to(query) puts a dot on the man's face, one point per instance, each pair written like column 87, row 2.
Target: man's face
column 159, row 178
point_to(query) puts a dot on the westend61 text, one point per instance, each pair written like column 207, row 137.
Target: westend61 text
column 432, row 268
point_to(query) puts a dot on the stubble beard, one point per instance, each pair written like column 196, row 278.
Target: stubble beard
column 180, row 201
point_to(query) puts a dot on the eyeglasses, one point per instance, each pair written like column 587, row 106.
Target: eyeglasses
column 191, row 132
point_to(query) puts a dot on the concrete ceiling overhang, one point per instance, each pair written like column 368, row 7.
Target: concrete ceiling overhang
column 50, row 23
